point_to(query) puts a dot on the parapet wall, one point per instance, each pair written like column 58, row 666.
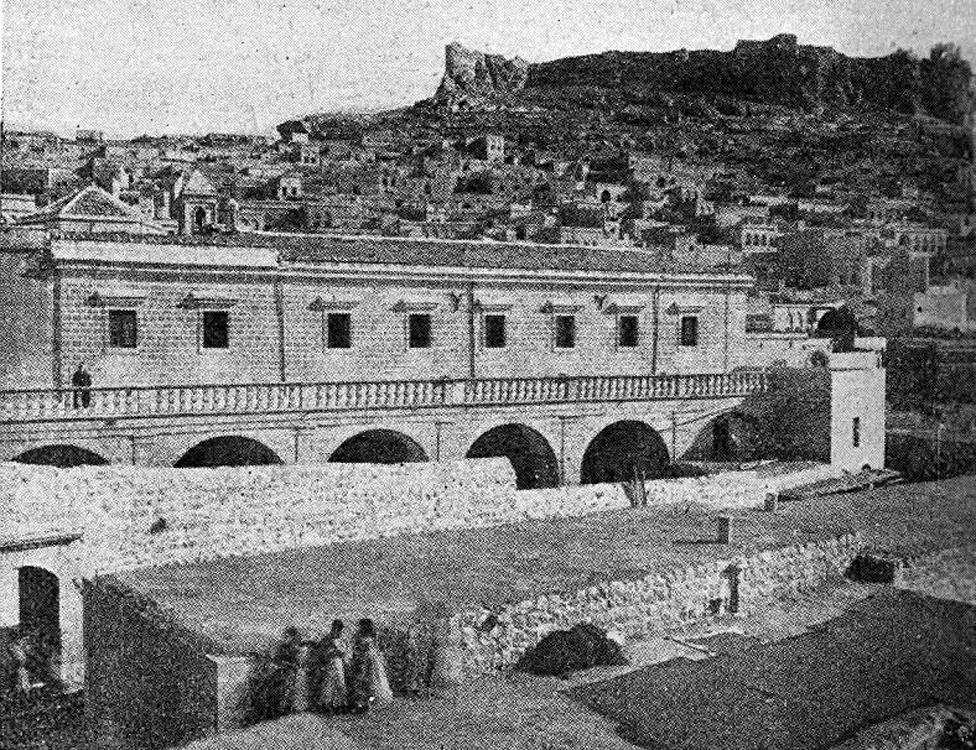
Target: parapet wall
column 137, row 517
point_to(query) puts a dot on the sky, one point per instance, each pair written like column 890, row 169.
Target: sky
column 195, row 66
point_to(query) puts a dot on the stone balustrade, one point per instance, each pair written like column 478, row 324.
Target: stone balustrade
column 258, row 398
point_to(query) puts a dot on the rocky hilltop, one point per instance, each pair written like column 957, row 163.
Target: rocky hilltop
column 474, row 79
column 777, row 71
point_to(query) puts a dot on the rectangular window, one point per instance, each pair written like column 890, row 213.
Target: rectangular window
column 628, row 331
column 565, row 331
column 494, row 331
column 689, row 330
column 216, row 329
column 856, row 432
column 338, row 330
column 418, row 331
column 122, row 331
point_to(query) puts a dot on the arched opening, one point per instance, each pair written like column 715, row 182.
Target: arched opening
column 228, row 451
column 200, row 217
column 530, row 454
column 732, row 437
column 40, row 622
column 62, row 456
column 623, row 449
column 379, row 447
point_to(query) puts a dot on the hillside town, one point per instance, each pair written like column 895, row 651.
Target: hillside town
column 588, row 403
column 901, row 256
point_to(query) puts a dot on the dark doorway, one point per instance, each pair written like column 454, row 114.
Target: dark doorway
column 40, row 619
column 228, row 451
column 379, row 447
column 62, row 456
column 200, row 217
column 622, row 449
column 530, row 454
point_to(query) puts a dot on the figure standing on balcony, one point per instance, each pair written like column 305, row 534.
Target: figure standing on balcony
column 81, row 384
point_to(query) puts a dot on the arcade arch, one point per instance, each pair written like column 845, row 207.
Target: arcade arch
column 379, row 447
column 228, row 450
column 530, row 454
column 622, row 448
column 62, row 456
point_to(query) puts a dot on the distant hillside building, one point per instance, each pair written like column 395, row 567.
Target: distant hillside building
column 91, row 210
column 950, row 306
column 195, row 203
column 293, row 131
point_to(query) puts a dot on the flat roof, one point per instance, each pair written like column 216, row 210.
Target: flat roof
column 167, row 253
column 243, row 603
column 268, row 250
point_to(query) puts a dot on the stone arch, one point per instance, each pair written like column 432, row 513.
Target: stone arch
column 622, row 447
column 379, row 446
column 63, row 456
column 39, row 609
column 228, row 450
column 733, row 436
column 530, row 454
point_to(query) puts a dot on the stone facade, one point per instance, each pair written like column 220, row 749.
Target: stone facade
column 278, row 317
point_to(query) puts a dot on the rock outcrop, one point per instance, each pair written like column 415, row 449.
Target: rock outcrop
column 474, row 79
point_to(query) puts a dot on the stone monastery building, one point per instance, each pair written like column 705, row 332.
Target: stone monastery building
column 256, row 348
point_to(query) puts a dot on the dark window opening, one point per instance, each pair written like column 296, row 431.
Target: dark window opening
column 856, row 432
column 215, row 329
column 122, row 333
column 628, row 330
column 495, row 331
column 565, row 331
column 689, row 330
column 419, row 331
column 339, row 331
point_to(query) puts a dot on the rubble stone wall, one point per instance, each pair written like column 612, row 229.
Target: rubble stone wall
column 639, row 607
column 137, row 517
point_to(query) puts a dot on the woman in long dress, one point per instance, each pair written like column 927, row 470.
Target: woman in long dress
column 332, row 693
column 370, row 686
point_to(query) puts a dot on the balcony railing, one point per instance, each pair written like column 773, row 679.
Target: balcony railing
column 155, row 401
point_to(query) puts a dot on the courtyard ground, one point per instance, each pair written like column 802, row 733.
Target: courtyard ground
column 243, row 603
column 799, row 672
column 892, row 653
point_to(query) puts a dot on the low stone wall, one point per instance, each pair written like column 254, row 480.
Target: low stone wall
column 137, row 517
column 492, row 640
